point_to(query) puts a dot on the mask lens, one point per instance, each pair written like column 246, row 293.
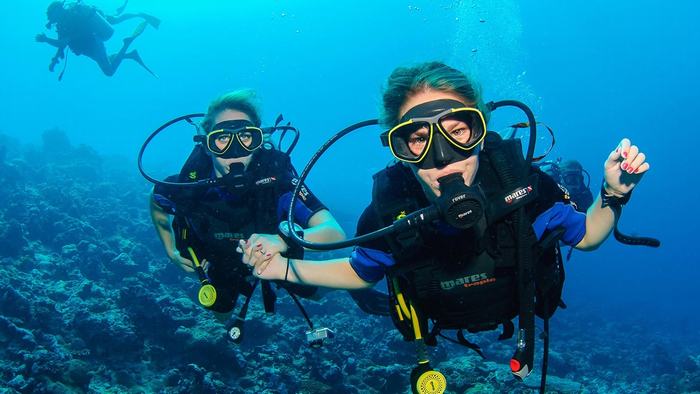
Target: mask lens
column 409, row 141
column 219, row 141
column 571, row 179
column 250, row 138
column 463, row 127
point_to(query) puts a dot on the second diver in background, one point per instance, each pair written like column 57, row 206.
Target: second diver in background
column 84, row 29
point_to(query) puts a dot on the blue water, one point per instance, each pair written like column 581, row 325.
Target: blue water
column 595, row 71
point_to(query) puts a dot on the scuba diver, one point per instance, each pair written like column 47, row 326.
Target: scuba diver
column 236, row 186
column 84, row 29
column 464, row 228
column 570, row 174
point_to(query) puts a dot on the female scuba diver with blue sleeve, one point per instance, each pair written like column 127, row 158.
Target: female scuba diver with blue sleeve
column 490, row 253
column 244, row 188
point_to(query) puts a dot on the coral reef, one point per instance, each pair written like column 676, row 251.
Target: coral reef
column 89, row 303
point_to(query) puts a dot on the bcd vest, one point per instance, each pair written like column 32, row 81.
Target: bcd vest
column 464, row 279
column 212, row 226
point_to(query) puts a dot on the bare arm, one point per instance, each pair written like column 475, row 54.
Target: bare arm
column 323, row 228
column 624, row 169
column 161, row 222
column 336, row 273
column 56, row 42
column 599, row 223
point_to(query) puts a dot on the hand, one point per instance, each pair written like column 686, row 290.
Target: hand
column 268, row 244
column 41, row 37
column 186, row 264
column 265, row 264
column 624, row 168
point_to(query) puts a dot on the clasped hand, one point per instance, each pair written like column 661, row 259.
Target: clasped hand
column 263, row 252
column 624, row 168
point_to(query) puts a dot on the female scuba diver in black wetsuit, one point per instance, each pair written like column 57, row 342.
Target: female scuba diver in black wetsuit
column 477, row 227
column 235, row 187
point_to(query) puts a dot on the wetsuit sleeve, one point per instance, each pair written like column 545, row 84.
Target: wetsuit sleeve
column 554, row 210
column 370, row 260
column 305, row 206
column 162, row 195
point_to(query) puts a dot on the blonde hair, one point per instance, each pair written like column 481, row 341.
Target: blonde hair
column 240, row 100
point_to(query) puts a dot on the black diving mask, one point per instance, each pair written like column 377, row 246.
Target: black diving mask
column 574, row 181
column 232, row 139
column 460, row 129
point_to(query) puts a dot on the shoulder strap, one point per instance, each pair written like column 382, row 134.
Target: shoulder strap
column 396, row 193
column 504, row 169
column 507, row 184
column 197, row 166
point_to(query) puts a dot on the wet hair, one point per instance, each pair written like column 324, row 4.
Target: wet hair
column 238, row 100
column 407, row 81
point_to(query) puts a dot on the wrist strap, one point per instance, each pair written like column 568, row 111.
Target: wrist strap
column 286, row 272
column 613, row 201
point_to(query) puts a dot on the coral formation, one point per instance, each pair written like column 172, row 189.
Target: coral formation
column 89, row 303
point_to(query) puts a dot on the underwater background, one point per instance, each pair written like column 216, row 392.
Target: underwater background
column 90, row 303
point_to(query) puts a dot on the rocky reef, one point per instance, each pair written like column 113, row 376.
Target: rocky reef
column 89, row 303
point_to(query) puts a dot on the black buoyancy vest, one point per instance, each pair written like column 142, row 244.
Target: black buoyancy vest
column 461, row 280
column 212, row 226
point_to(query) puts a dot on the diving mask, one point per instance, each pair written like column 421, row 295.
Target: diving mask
column 459, row 128
column 232, row 139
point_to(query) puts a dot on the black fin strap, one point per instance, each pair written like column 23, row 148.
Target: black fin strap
column 628, row 239
column 615, row 203
column 634, row 241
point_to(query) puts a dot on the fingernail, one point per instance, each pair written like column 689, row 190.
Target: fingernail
column 624, row 154
column 630, row 170
column 259, row 245
column 268, row 255
column 636, row 171
column 259, row 272
column 624, row 166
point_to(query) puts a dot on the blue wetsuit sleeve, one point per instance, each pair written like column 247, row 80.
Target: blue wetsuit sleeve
column 371, row 259
column 162, row 196
column 553, row 209
column 562, row 215
column 306, row 203
column 167, row 205
column 370, row 264
column 302, row 212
